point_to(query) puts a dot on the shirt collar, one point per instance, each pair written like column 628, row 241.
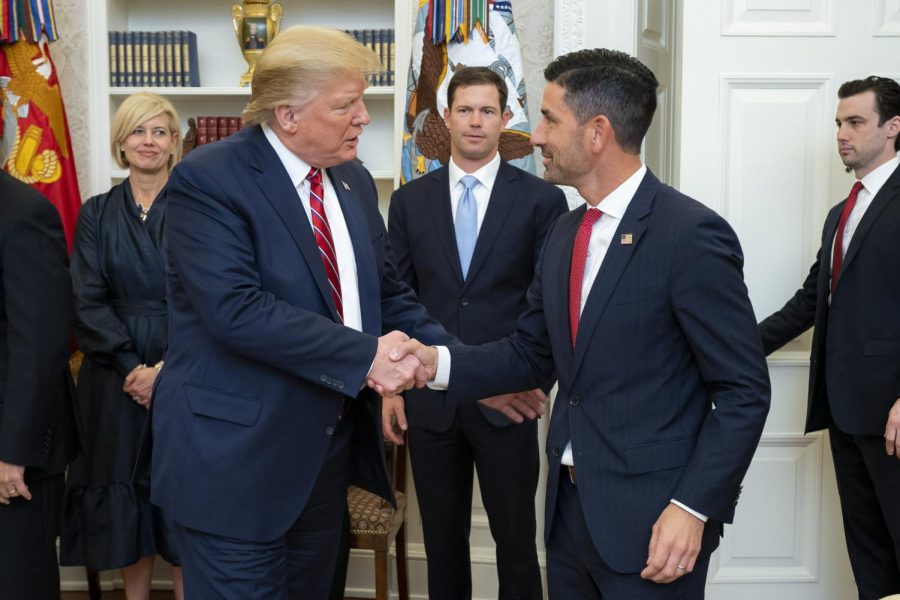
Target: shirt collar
column 485, row 175
column 616, row 202
column 877, row 178
column 296, row 167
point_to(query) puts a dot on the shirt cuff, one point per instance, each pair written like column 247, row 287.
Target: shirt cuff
column 441, row 379
column 700, row 516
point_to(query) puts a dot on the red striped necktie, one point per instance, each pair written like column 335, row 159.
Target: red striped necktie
column 324, row 239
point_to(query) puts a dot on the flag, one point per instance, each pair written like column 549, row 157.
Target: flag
column 34, row 132
column 449, row 35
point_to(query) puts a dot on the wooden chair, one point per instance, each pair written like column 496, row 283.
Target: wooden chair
column 374, row 524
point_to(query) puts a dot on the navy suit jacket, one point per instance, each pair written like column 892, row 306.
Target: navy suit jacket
column 486, row 305
column 258, row 365
column 666, row 392
column 854, row 375
column 37, row 426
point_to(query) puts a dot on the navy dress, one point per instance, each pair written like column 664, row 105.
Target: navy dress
column 120, row 309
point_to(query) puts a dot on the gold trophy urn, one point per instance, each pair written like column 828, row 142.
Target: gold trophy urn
column 256, row 23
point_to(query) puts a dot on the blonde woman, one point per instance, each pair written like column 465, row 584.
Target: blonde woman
column 121, row 326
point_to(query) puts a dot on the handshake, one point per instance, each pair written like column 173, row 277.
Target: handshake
column 400, row 364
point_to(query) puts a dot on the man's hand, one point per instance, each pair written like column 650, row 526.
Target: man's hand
column 426, row 355
column 518, row 407
column 393, row 407
column 12, row 482
column 892, row 431
column 409, row 356
column 389, row 376
column 674, row 545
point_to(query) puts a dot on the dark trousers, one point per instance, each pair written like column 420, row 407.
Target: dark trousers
column 868, row 482
column 575, row 570
column 507, row 462
column 28, row 566
column 298, row 565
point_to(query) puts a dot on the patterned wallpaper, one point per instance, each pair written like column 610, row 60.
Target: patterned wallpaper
column 70, row 54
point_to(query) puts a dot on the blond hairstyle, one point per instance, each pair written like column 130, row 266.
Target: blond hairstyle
column 139, row 108
column 295, row 64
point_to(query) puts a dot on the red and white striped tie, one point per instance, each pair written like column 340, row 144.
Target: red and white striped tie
column 324, row 239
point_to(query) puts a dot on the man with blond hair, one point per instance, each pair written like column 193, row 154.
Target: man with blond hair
column 280, row 296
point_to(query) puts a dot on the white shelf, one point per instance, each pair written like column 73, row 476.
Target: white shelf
column 189, row 92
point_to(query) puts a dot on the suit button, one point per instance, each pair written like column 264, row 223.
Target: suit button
column 574, row 400
column 464, row 301
column 556, row 451
column 329, row 430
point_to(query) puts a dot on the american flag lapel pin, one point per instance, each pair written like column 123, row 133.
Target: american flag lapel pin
column 344, row 183
column 626, row 238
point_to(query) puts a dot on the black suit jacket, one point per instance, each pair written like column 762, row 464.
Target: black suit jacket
column 36, row 419
column 854, row 375
column 666, row 391
column 486, row 305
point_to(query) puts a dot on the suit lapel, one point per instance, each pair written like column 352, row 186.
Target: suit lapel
column 501, row 201
column 442, row 214
column 614, row 263
column 275, row 185
column 557, row 263
column 887, row 194
column 360, row 237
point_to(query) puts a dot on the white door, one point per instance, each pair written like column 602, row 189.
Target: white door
column 752, row 104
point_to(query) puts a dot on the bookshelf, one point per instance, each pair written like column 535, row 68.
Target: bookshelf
column 221, row 65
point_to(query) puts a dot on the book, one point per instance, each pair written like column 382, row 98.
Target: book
column 113, row 59
column 391, row 57
column 129, row 58
column 190, row 70
column 145, row 58
column 153, row 46
column 202, row 131
column 168, row 68
column 234, row 125
column 212, row 128
column 177, row 80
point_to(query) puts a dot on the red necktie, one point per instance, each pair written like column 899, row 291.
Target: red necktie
column 576, row 274
column 322, row 231
column 837, row 255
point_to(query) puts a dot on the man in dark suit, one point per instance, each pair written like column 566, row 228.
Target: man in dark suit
column 280, row 293
column 37, row 435
column 469, row 253
column 642, row 311
column 852, row 296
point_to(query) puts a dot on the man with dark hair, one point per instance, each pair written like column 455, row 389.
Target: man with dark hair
column 642, row 312
column 467, row 237
column 852, row 295
column 37, row 430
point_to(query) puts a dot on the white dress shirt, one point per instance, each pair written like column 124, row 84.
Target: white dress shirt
column 485, row 176
column 297, row 170
column 872, row 183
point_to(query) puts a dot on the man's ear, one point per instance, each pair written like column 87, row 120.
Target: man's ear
column 447, row 117
column 599, row 132
column 287, row 118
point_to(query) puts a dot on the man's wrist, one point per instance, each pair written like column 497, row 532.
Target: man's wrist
column 442, row 371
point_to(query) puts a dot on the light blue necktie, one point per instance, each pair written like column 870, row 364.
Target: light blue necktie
column 466, row 223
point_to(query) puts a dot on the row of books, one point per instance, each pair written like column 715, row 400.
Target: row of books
column 381, row 41
column 153, row 59
column 211, row 129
